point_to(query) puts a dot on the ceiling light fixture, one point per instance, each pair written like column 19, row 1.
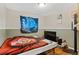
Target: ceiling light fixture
column 41, row 4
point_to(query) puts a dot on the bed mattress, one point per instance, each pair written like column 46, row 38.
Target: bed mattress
column 36, row 51
column 41, row 46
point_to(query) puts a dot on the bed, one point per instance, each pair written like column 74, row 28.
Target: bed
column 50, row 38
column 33, row 49
column 25, row 45
column 51, row 45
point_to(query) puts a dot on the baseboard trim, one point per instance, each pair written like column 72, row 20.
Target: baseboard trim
column 73, row 49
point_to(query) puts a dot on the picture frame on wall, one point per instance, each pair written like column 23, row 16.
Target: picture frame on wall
column 28, row 24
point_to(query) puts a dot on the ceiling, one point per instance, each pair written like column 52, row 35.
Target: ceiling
column 35, row 9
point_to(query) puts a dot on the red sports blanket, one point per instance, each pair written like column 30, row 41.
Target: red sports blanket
column 6, row 49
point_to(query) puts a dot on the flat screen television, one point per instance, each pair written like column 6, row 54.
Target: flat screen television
column 29, row 24
column 50, row 35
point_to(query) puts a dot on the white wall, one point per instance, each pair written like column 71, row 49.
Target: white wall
column 64, row 29
column 67, row 11
column 2, row 23
column 2, row 16
column 13, row 23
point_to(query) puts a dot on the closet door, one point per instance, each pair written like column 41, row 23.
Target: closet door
column 78, row 28
column 78, row 18
column 78, row 22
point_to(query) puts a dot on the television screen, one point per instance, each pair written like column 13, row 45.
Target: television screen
column 50, row 35
column 28, row 24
